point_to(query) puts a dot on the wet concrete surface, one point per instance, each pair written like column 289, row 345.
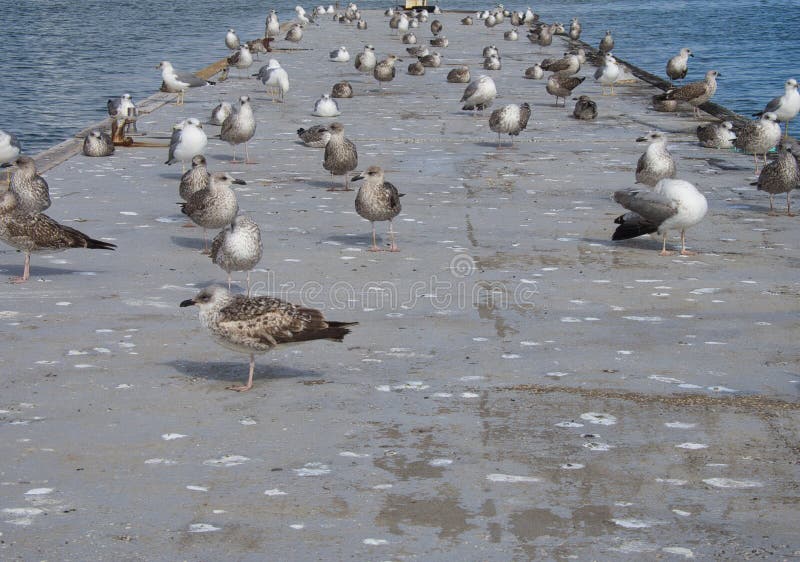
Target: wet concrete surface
column 519, row 387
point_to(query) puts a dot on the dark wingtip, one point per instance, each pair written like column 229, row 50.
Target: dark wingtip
column 211, row 82
column 100, row 245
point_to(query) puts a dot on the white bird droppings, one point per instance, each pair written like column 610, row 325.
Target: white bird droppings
column 510, row 478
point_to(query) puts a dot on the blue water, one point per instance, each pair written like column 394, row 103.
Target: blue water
column 61, row 60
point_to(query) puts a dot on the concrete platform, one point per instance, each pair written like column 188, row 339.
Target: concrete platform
column 519, row 387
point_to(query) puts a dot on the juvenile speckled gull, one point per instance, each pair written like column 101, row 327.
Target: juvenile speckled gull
column 238, row 247
column 341, row 156
column 342, row 89
column 716, row 135
column 239, row 127
column 561, row 86
column 510, row 119
column 780, row 176
column 656, row 163
column 385, row 71
column 606, row 43
column 378, row 200
column 459, row 75
column 98, row 143
column 696, row 93
column 31, row 189
column 253, row 325
column 196, row 179
column 215, row 206
column 316, row 136
column 759, row 136
column 585, row 108
column 36, row 232
column 672, row 205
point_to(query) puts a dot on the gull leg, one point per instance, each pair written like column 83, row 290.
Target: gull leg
column 392, row 244
column 249, row 385
column 374, row 247
column 248, row 283
column 684, row 251
column 229, row 280
column 664, row 251
column 26, row 271
column 247, row 155
column 789, row 204
column 772, row 212
column 206, row 250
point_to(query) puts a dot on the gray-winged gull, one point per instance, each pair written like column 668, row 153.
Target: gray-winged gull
column 180, row 81
column 608, row 73
column 339, row 55
column 785, row 107
column 188, row 139
column 238, row 247
column 36, row 232
column 252, row 325
column 326, row 107
column 275, row 78
column 510, row 119
column 479, row 94
column 341, row 156
column 534, row 72
column 378, row 200
column 672, row 205
column 780, row 176
column 656, row 163
column 232, row 40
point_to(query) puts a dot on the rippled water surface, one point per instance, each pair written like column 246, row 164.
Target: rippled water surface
column 61, row 60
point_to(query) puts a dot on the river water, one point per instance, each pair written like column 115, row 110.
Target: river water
column 61, row 60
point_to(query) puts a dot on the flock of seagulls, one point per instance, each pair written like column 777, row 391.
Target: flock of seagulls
column 253, row 325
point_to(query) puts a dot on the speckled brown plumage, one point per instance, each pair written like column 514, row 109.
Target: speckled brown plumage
column 341, row 156
column 33, row 193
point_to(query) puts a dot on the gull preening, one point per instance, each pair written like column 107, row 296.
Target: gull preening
column 716, row 135
column 31, row 189
column 98, row 143
column 252, row 325
column 316, row 136
column 180, row 81
column 239, row 127
column 378, row 200
column 671, row 205
column 220, row 113
column 238, row 247
column 36, row 232
column 510, row 119
column 275, row 78
column 656, row 163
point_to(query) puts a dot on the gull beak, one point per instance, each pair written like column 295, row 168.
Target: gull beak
column 187, row 302
column 239, row 182
column 641, row 139
column 357, row 177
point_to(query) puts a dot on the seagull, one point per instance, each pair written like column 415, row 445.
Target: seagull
column 196, row 179
column 239, row 127
column 9, row 150
column 562, row 86
column 253, row 325
column 567, row 65
column 606, row 43
column 238, row 247
column 36, row 232
column 188, row 139
column 759, row 136
column 716, row 135
column 231, row 40
column 780, row 176
column 122, row 108
column 436, row 27
column 242, row 58
column 326, row 107
column 418, row 51
column 656, row 163
column 479, row 94
column 785, row 107
column 98, row 143
column 678, row 66
column 416, row 69
column 341, row 156
column 342, row 89
column 510, row 119
column 608, row 73
column 511, row 34
column 534, row 72
column 585, row 109
column 220, row 113
column 215, row 206
column 365, row 60
column 378, row 200
column 490, row 50
column 409, row 38
column 32, row 191
column 696, row 93
column 672, row 205
column 295, row 33
column 259, row 46
column 339, row 55
column 275, row 78
column 492, row 62
column 433, row 60
column 458, row 75
column 575, row 29
column 385, row 71
column 316, row 136
column 180, row 81
column 273, row 26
